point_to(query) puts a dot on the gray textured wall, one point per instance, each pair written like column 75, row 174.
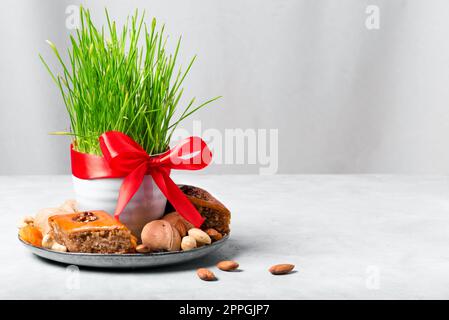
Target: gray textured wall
column 345, row 99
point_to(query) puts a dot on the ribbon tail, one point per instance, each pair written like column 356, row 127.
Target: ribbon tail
column 129, row 187
column 177, row 198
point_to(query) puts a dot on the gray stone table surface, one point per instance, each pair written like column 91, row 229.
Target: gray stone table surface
column 350, row 237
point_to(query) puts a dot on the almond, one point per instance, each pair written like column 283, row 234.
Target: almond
column 181, row 227
column 141, row 248
column 206, row 274
column 174, row 217
column 227, row 265
column 214, row 234
column 281, row 268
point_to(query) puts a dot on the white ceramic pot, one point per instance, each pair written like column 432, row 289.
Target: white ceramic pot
column 148, row 203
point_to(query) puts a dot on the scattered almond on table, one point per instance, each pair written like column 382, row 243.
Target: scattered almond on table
column 227, row 265
column 279, row 269
column 206, row 274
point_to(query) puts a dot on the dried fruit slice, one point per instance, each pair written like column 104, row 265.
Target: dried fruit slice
column 31, row 235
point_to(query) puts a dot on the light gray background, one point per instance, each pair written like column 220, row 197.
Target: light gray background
column 345, row 99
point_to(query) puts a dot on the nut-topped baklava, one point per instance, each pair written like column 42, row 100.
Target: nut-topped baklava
column 91, row 231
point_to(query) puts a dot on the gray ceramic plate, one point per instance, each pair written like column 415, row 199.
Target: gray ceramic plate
column 129, row 260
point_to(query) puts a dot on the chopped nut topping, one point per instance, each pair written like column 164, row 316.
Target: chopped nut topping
column 86, row 216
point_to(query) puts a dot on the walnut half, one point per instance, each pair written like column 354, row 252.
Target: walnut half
column 86, row 216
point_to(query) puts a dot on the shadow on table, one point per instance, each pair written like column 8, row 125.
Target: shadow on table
column 229, row 251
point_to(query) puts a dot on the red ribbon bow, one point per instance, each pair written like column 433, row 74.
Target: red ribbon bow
column 123, row 157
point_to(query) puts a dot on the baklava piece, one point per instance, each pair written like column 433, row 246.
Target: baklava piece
column 217, row 215
column 91, row 232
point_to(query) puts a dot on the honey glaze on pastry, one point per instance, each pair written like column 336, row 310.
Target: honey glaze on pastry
column 91, row 232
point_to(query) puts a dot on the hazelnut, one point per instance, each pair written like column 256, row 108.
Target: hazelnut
column 159, row 235
column 200, row 236
column 188, row 243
